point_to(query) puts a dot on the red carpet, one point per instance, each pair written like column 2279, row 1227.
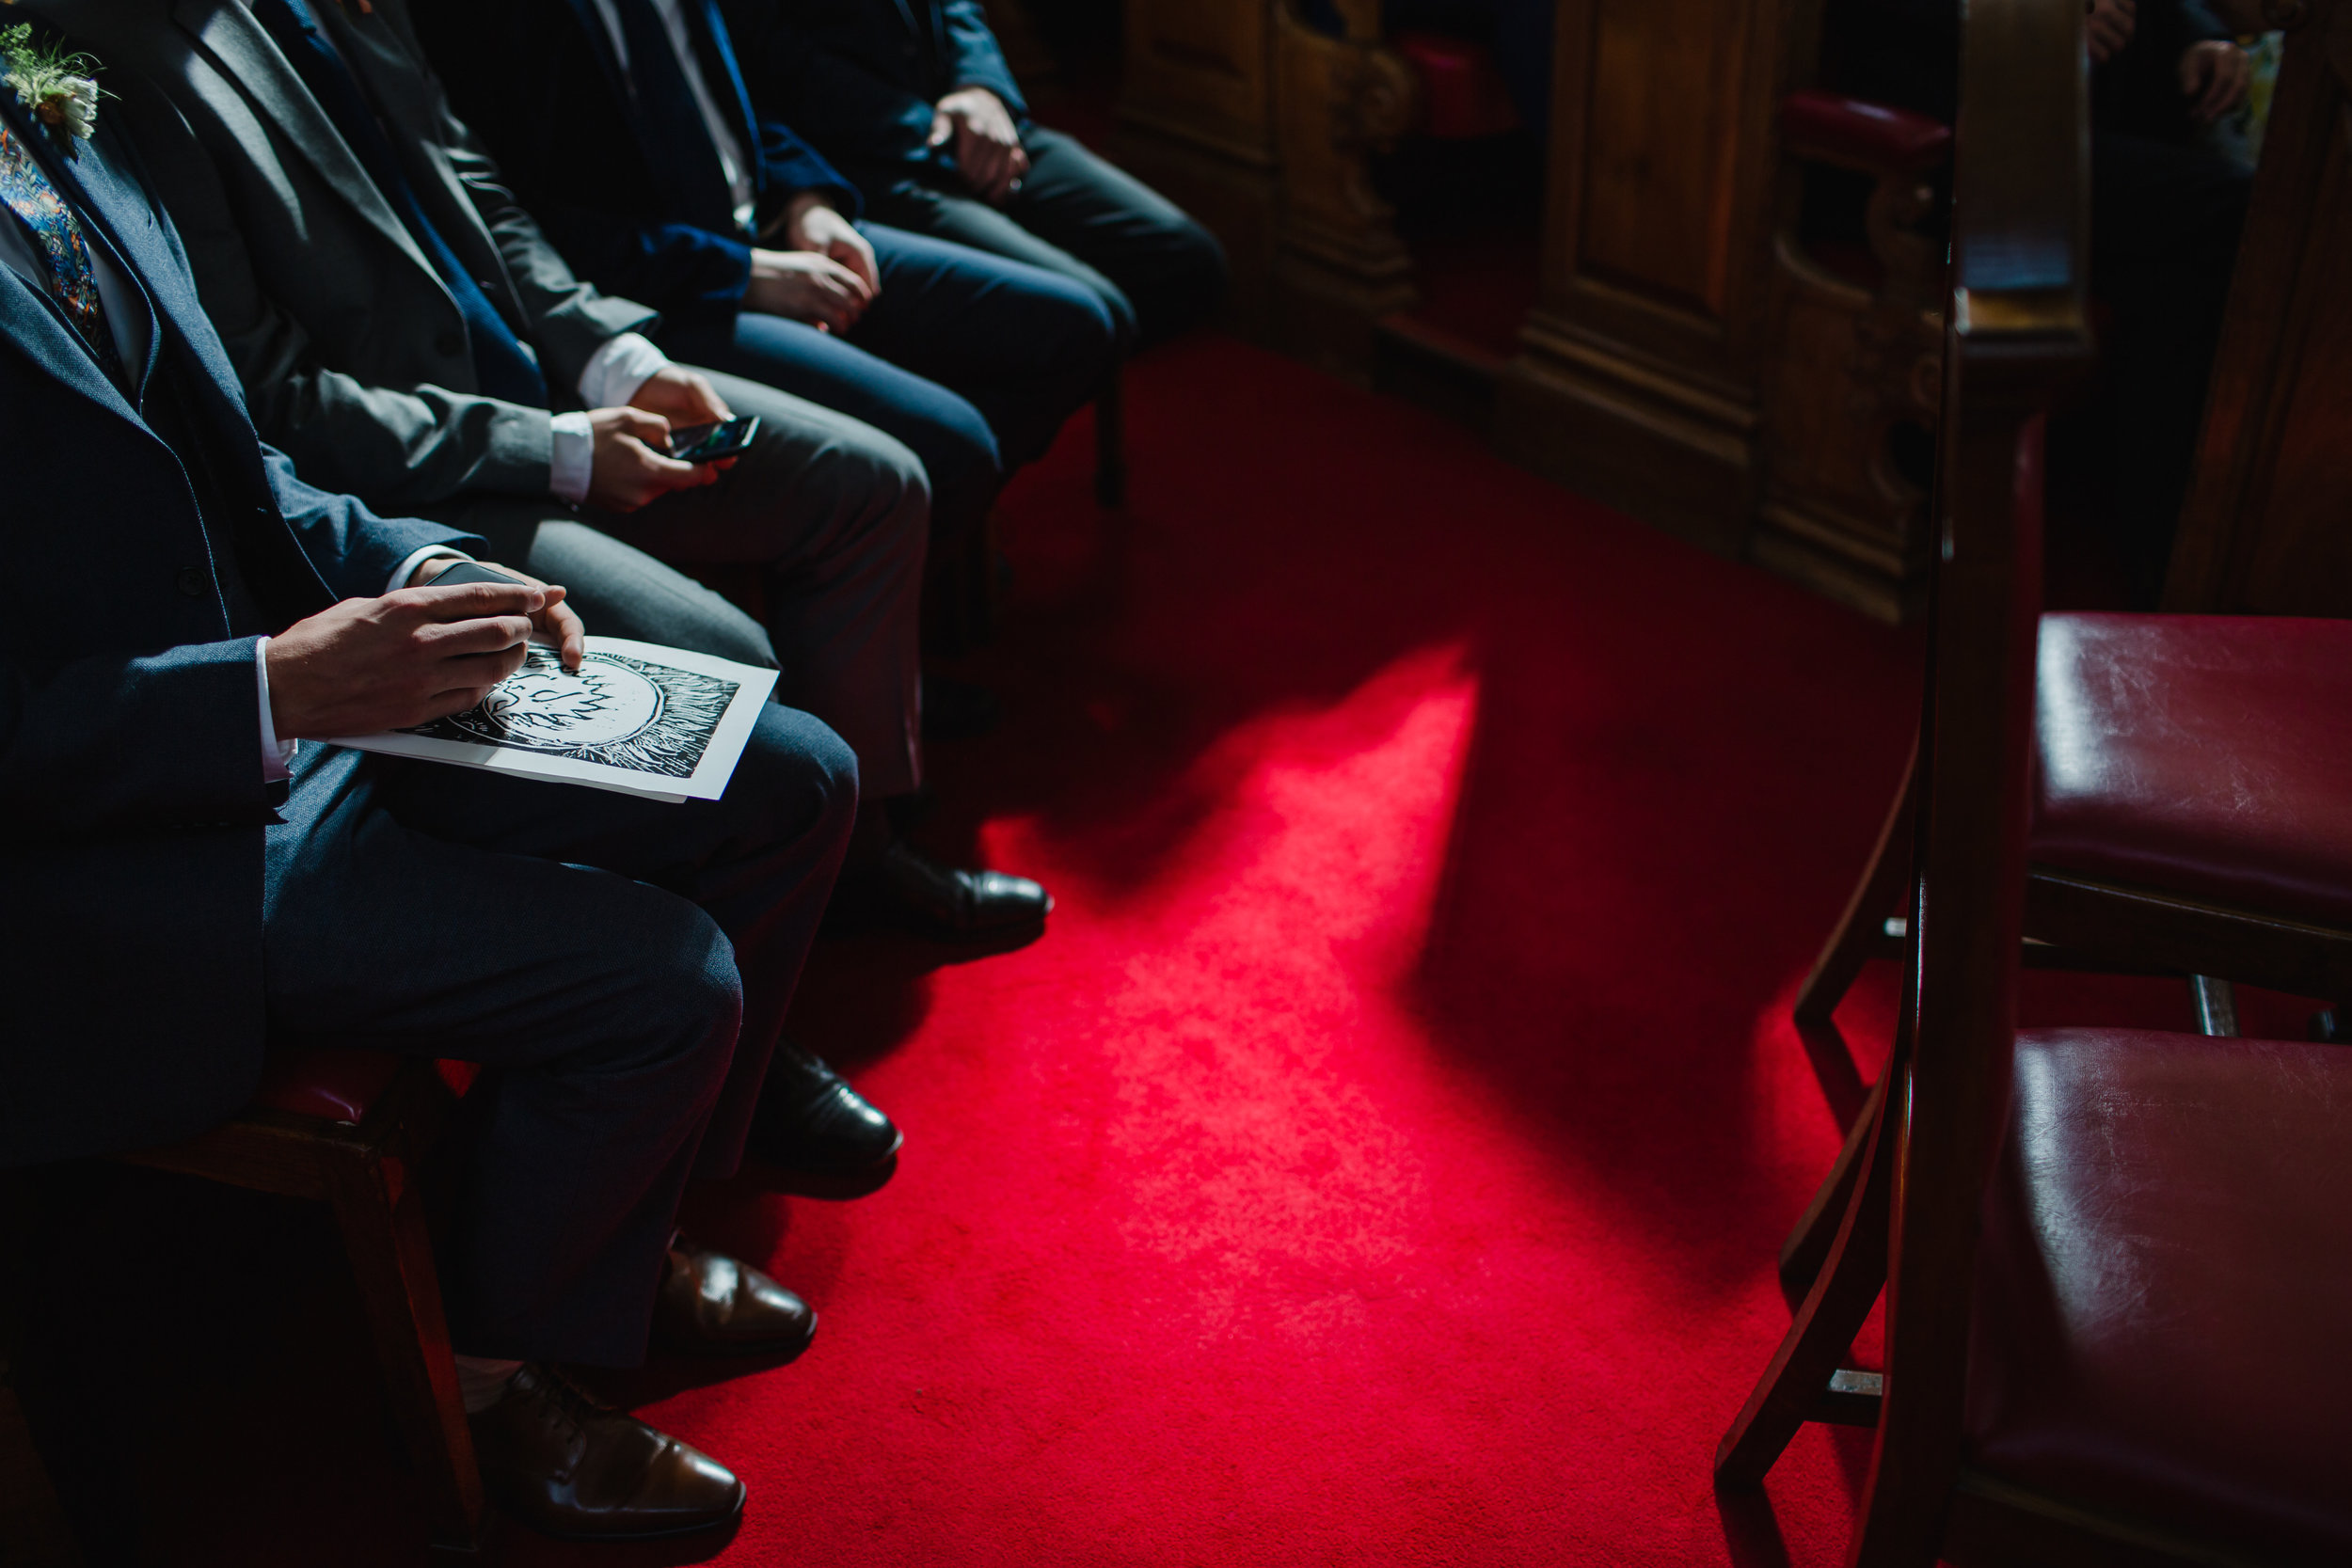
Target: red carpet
column 1382, row 1158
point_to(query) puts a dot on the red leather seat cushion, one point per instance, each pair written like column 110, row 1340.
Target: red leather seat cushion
column 1870, row 136
column 2209, row 756
column 2164, row 1287
column 1462, row 93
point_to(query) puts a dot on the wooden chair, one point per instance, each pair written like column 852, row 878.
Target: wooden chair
column 2116, row 1263
column 348, row 1128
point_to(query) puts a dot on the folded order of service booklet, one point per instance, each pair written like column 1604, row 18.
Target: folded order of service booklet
column 660, row 722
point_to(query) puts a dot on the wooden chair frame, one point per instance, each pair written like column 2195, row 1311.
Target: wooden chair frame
column 2077, row 921
column 367, row 1172
column 1900, row 1210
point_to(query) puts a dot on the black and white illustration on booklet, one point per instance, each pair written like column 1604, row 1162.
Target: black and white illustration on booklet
column 645, row 720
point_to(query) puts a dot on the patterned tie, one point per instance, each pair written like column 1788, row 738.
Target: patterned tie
column 57, row 236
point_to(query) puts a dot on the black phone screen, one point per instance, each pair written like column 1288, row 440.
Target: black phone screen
column 710, row 443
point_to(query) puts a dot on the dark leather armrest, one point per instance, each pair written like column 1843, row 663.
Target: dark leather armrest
column 1824, row 127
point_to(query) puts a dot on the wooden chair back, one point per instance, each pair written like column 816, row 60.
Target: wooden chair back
column 2016, row 329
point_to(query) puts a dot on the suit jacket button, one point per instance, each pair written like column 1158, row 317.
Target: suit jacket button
column 191, row 582
column 449, row 345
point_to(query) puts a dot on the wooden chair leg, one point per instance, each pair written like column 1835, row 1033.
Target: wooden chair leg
column 2217, row 1006
column 1861, row 934
column 1807, row 1248
column 1110, row 442
column 1797, row 1386
column 382, row 1220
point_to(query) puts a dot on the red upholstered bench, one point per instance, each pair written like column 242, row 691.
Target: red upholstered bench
column 347, row 1128
column 1462, row 94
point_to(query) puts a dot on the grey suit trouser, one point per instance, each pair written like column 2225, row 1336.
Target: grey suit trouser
column 834, row 517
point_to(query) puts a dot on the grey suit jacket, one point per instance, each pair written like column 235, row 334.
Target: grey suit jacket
column 352, row 355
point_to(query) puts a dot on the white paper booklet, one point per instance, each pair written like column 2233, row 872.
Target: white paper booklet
column 660, row 722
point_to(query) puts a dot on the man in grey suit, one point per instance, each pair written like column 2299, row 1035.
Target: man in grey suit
column 402, row 328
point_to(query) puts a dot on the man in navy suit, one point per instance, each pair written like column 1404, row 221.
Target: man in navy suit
column 182, row 621
column 625, row 128
column 913, row 99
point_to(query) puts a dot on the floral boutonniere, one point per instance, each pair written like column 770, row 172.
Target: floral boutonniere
column 59, row 88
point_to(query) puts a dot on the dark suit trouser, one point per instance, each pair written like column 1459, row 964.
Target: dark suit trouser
column 621, row 968
column 973, row 361
column 1157, row 270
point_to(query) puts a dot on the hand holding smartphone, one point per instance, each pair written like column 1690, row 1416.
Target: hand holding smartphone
column 714, row 443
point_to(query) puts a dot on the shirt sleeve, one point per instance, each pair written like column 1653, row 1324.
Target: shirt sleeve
column 573, row 458
column 616, row 371
column 277, row 755
column 406, row 569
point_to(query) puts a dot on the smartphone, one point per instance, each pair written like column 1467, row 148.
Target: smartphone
column 714, row 443
column 471, row 571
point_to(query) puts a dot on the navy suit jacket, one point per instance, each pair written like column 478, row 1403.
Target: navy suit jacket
column 860, row 76
column 539, row 82
column 132, row 804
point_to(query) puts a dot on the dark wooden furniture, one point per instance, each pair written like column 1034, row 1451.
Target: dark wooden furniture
column 348, row 1128
column 2116, row 1264
column 2263, row 527
column 1637, row 380
column 1854, row 356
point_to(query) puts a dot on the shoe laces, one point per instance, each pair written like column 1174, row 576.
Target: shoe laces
column 579, row 1408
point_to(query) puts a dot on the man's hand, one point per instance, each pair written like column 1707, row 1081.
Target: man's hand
column 629, row 468
column 2214, row 77
column 803, row 286
column 811, row 224
column 414, row 655
column 988, row 146
column 682, row 396
column 555, row 620
column 2110, row 28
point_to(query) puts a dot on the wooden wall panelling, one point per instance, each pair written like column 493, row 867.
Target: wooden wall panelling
column 1339, row 266
column 1636, row 381
column 2267, row 527
column 1197, row 123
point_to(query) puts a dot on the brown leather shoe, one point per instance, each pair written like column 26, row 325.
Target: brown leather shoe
column 555, row 1458
column 712, row 1305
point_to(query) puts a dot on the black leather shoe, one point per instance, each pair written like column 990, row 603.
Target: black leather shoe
column 556, row 1459
column 819, row 1133
column 959, row 710
column 911, row 890
column 712, row 1305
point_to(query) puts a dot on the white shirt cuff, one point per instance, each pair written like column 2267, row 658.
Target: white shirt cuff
column 277, row 755
column 406, row 569
column 616, row 371
column 573, row 458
